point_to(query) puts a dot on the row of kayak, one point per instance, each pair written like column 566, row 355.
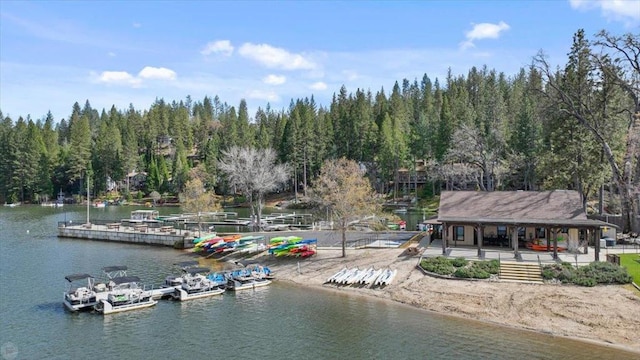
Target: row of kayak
column 368, row 277
column 226, row 244
column 293, row 246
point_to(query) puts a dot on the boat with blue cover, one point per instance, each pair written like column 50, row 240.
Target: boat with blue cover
column 243, row 279
column 196, row 284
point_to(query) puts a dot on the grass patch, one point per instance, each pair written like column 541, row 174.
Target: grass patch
column 632, row 263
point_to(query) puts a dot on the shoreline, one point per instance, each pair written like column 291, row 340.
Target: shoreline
column 602, row 315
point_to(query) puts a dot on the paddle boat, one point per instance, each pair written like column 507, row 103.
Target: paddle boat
column 385, row 278
column 370, row 276
column 337, row 275
column 342, row 279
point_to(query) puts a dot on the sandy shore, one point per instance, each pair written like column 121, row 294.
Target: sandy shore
column 609, row 315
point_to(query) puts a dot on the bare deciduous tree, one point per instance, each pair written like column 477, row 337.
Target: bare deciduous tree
column 195, row 198
column 615, row 65
column 254, row 173
column 472, row 149
column 343, row 187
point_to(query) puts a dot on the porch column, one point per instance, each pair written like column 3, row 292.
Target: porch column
column 596, row 256
column 514, row 240
column 587, row 234
column 480, row 236
column 555, row 244
column 547, row 235
column 445, row 235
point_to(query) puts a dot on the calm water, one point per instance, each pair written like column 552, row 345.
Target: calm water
column 278, row 322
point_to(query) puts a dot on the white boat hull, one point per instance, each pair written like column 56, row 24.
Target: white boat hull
column 252, row 284
column 182, row 295
column 86, row 302
column 82, row 305
column 107, row 308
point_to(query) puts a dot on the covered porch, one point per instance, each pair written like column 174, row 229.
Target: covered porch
column 542, row 221
column 518, row 237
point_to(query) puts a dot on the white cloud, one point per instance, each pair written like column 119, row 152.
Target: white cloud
column 111, row 54
column 119, row 78
column 273, row 57
column 137, row 25
column 223, row 47
column 483, row 31
column 350, row 75
column 263, row 95
column 318, row 86
column 272, row 79
column 626, row 11
column 125, row 78
column 158, row 73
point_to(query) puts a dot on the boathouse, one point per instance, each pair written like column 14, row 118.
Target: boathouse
column 517, row 220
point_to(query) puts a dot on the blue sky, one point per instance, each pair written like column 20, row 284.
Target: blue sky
column 54, row 53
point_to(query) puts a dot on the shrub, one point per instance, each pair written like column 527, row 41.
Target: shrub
column 605, row 273
column 460, row 267
column 472, row 272
column 439, row 265
column 459, row 262
column 478, row 270
column 584, row 281
column 464, row 273
column 491, row 267
column 589, row 275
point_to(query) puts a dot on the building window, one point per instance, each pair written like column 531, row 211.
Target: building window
column 502, row 231
column 540, row 233
column 458, row 233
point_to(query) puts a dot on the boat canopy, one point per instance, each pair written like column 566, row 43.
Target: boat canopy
column 144, row 215
column 125, row 279
column 114, row 268
column 198, row 270
column 75, row 277
column 186, row 264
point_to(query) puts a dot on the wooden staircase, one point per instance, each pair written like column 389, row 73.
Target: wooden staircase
column 520, row 272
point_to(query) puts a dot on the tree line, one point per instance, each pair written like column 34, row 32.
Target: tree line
column 575, row 127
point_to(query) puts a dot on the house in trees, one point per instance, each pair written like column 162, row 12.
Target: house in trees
column 517, row 220
column 136, row 180
column 164, row 141
column 414, row 178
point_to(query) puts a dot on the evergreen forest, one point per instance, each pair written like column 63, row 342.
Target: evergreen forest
column 573, row 126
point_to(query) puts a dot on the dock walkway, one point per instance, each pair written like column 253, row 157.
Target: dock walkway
column 134, row 233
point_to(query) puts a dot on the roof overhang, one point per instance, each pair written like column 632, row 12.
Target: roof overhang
column 576, row 223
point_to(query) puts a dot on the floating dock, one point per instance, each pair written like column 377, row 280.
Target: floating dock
column 128, row 233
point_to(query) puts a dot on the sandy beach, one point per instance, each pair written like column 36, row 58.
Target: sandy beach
column 609, row 315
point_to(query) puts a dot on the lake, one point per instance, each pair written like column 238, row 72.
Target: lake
column 278, row 322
